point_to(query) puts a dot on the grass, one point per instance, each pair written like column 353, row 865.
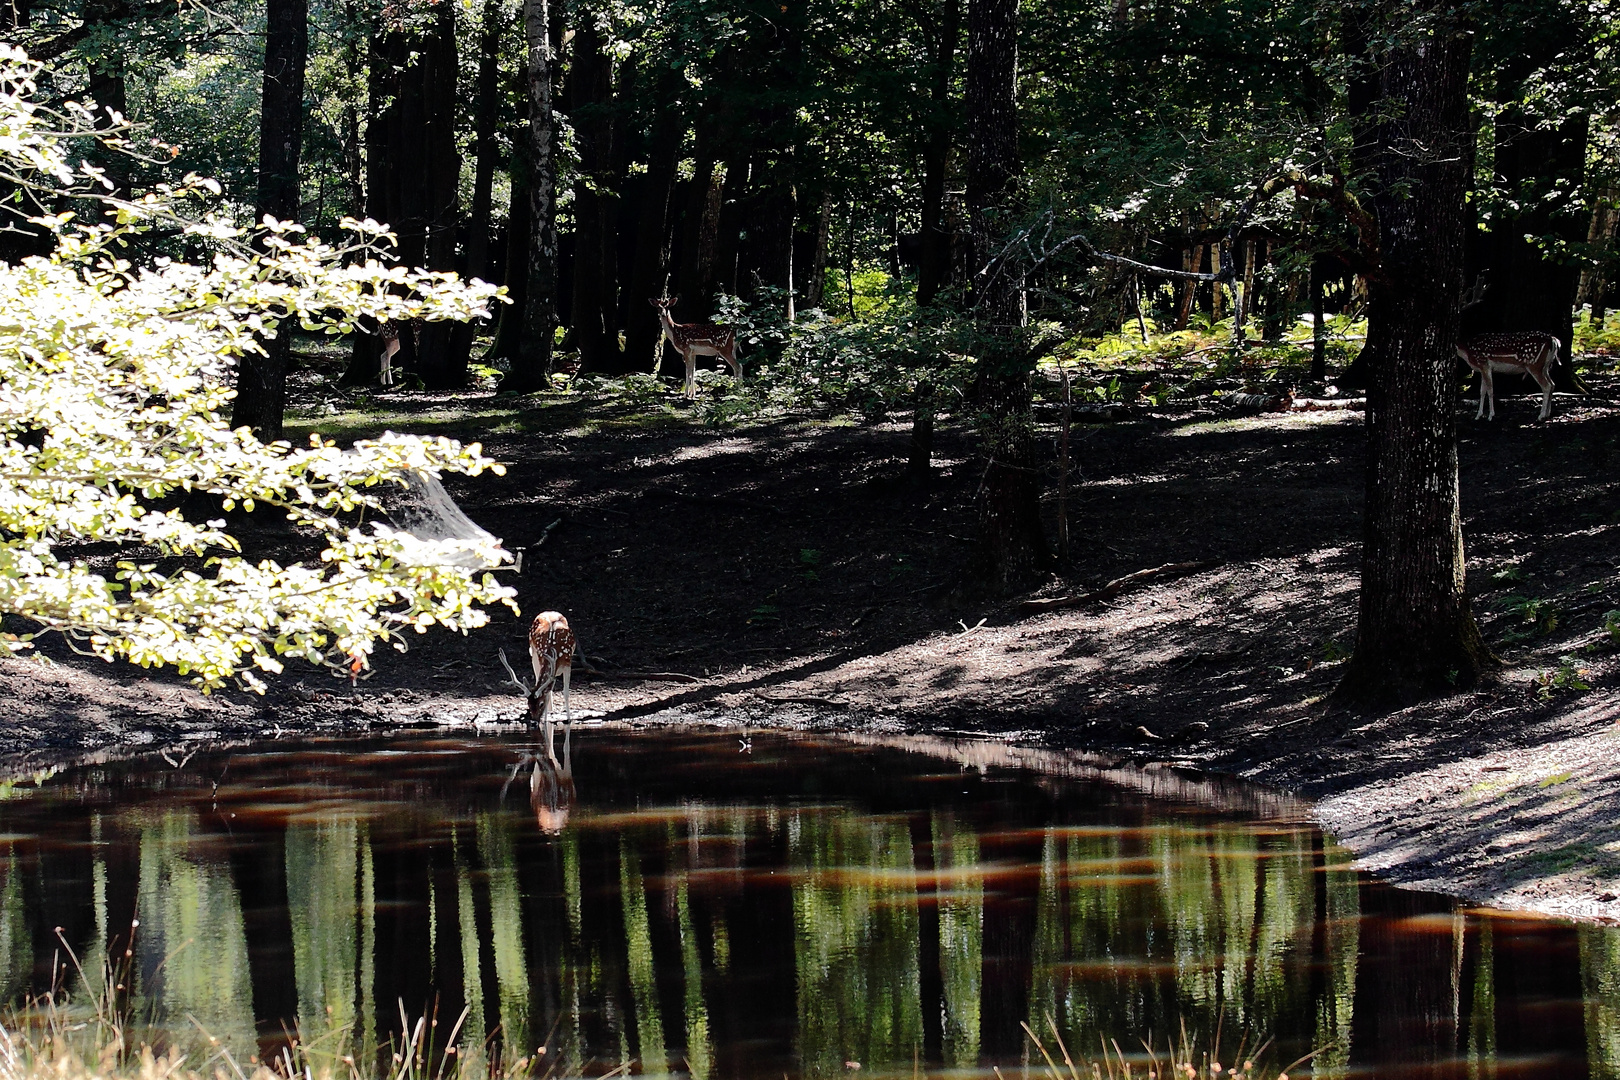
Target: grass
column 95, row 1035
column 1178, row 1059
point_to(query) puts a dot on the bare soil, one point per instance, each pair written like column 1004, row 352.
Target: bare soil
column 796, row 577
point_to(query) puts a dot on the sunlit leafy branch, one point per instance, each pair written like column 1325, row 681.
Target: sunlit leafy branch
column 113, row 378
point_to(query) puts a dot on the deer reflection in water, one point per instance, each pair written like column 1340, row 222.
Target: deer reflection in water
column 551, row 785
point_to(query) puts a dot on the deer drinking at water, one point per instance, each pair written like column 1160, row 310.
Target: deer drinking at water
column 1529, row 353
column 693, row 340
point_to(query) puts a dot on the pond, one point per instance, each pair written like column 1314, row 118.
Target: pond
column 699, row 903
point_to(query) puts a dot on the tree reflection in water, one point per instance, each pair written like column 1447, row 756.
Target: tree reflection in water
column 809, row 909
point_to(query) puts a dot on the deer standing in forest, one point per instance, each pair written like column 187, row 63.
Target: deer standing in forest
column 389, row 333
column 693, row 340
column 1531, row 353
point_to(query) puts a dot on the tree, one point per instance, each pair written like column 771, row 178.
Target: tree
column 261, row 380
column 531, row 365
column 934, row 258
column 1012, row 546
column 1415, row 633
column 112, row 415
column 414, row 167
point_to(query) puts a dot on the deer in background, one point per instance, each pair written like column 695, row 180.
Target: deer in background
column 693, row 340
column 389, row 333
column 1530, row 353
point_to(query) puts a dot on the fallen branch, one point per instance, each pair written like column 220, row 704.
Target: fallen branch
column 635, row 676
column 1119, row 585
column 712, row 500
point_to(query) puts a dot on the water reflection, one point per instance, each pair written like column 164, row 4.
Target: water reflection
column 808, row 909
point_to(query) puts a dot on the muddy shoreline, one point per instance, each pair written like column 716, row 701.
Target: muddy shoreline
column 1519, row 824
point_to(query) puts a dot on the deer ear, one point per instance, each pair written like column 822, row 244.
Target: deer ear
column 653, row 302
column 674, row 300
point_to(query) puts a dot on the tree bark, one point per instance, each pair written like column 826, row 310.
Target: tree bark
column 698, row 224
column 261, row 379
column 509, row 331
column 1541, row 167
column 1416, row 634
column 1011, row 544
column 531, row 365
column 815, row 273
column 479, row 262
column 594, row 311
column 935, row 254
column 641, row 329
column 413, row 174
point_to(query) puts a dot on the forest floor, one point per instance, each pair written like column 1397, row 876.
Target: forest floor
column 795, row 577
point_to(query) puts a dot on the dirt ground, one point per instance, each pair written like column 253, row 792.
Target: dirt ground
column 789, row 574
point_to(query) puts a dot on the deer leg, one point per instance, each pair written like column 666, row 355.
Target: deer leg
column 1546, row 382
column 691, row 375
column 1487, row 390
column 1479, row 412
column 568, row 708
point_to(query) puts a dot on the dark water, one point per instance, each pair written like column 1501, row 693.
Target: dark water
column 792, row 910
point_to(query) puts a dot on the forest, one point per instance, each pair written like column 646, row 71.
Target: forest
column 994, row 494
column 925, row 211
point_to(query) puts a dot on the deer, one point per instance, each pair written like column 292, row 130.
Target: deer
column 389, row 333
column 551, row 651
column 693, row 340
column 1530, row 353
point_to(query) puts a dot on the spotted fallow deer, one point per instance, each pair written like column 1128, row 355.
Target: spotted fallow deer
column 551, row 649
column 1529, row 353
column 693, row 340
column 389, row 334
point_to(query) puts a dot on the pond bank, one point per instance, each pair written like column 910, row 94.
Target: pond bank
column 799, row 580
column 1506, row 802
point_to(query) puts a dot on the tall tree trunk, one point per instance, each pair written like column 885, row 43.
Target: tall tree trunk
column 1600, row 244
column 413, row 174
column 531, row 365
column 1416, row 634
column 641, row 329
column 814, row 275
column 935, row 256
column 261, row 380
column 699, row 221
column 509, row 331
column 479, row 262
column 1541, row 167
column 1012, row 546
column 734, row 206
column 594, row 310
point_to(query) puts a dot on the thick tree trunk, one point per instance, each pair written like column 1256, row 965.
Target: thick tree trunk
column 1012, row 546
column 935, row 257
column 641, row 327
column 531, row 366
column 1416, row 634
column 595, row 304
column 261, row 380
